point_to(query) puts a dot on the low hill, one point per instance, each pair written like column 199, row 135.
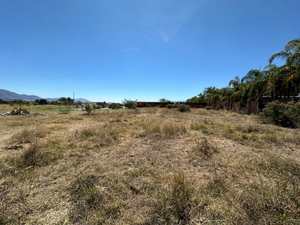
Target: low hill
column 10, row 96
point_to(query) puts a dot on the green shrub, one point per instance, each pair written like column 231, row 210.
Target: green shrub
column 114, row 106
column 101, row 105
column 89, row 107
column 176, row 104
column 130, row 104
column 170, row 106
column 285, row 115
column 184, row 108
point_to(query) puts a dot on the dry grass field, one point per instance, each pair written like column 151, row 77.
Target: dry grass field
column 147, row 166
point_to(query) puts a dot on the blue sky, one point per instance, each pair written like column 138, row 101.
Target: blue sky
column 108, row 50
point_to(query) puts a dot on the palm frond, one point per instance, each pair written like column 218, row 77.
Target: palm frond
column 235, row 82
column 270, row 67
column 282, row 55
column 251, row 75
column 236, row 94
column 294, row 59
column 293, row 45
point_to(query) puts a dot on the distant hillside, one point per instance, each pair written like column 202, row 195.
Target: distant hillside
column 76, row 99
column 10, row 96
column 80, row 99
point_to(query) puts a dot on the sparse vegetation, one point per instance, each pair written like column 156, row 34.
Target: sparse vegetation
column 130, row 104
column 147, row 166
column 204, row 149
column 285, row 115
column 170, row 106
column 273, row 83
column 89, row 107
column 173, row 203
column 114, row 106
column 29, row 135
column 164, row 129
column 184, row 108
column 65, row 110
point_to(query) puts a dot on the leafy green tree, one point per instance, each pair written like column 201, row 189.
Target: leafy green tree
column 55, row 102
column 3, row 101
column 62, row 100
column 130, row 104
column 66, row 101
column 43, row 102
column 70, row 101
column 163, row 100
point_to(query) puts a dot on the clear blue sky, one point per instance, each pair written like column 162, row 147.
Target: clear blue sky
column 108, row 50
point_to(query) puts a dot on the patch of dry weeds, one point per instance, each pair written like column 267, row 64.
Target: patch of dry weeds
column 148, row 166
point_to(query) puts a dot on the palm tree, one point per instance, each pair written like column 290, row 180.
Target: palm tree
column 257, row 83
column 216, row 96
column 226, row 92
column 197, row 99
column 237, row 90
column 212, row 95
column 291, row 53
column 286, row 79
column 280, row 81
column 208, row 93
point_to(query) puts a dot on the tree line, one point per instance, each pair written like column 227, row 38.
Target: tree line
column 60, row 101
column 273, row 81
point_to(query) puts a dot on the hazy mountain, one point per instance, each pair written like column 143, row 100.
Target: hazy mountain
column 9, row 96
column 76, row 99
column 80, row 99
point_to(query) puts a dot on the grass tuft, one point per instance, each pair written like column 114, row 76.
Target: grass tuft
column 173, row 204
column 204, row 149
column 198, row 126
column 35, row 156
column 162, row 129
column 29, row 135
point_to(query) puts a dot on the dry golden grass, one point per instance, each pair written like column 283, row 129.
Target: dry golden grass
column 147, row 166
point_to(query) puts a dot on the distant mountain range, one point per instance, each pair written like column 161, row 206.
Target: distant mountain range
column 10, row 96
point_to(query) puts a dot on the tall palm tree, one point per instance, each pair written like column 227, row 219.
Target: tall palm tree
column 208, row 94
column 285, row 80
column 291, row 53
column 257, row 83
column 225, row 94
column 281, row 81
column 237, row 90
